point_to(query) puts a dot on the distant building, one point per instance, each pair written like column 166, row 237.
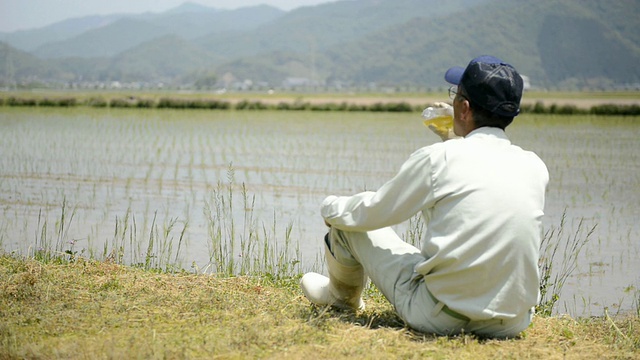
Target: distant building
column 293, row 82
column 299, row 82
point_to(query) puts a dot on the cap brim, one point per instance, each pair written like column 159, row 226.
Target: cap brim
column 454, row 75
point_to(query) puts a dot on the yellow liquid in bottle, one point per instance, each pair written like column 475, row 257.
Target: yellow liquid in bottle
column 443, row 123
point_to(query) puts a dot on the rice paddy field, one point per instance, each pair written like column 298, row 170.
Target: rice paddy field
column 211, row 191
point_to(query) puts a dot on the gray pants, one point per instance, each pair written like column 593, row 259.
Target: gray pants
column 389, row 262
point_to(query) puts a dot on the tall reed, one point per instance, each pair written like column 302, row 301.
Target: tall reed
column 63, row 248
column 249, row 249
column 239, row 244
column 555, row 271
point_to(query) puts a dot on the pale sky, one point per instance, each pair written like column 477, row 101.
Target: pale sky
column 29, row 14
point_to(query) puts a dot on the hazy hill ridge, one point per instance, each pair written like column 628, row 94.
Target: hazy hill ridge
column 557, row 43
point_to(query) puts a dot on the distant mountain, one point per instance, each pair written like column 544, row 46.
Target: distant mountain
column 565, row 43
column 30, row 40
column 314, row 29
column 17, row 65
column 105, row 41
column 192, row 25
column 188, row 21
column 190, row 7
column 557, row 43
column 164, row 59
column 168, row 59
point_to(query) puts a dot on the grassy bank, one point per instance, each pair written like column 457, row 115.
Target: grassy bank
column 97, row 309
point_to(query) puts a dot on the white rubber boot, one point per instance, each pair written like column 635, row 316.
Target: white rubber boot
column 342, row 289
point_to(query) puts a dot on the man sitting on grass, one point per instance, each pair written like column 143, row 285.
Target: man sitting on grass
column 482, row 200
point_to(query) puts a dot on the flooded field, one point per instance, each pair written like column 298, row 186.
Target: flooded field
column 90, row 179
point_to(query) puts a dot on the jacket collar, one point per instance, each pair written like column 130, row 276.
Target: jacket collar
column 488, row 132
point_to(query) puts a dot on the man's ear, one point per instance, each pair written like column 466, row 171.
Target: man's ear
column 466, row 115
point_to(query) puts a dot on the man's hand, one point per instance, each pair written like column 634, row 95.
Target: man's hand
column 445, row 133
column 443, row 105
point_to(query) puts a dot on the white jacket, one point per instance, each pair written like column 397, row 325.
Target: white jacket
column 482, row 199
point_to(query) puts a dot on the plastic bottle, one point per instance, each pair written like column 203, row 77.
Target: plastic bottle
column 438, row 117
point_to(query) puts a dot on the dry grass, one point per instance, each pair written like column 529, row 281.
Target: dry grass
column 89, row 309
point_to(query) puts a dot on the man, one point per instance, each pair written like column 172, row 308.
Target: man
column 482, row 200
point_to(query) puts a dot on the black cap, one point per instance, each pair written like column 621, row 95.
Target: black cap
column 490, row 83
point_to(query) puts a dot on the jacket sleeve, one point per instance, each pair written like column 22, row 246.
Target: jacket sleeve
column 407, row 193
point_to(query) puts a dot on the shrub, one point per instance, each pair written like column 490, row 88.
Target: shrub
column 399, row 107
column 67, row 102
column 207, row 104
column 122, row 103
column 171, row 103
column 216, row 104
column 97, row 102
column 145, row 103
column 537, row 108
column 48, row 102
column 283, row 106
column 612, row 109
column 356, row 107
column 249, row 105
column 62, row 102
column 14, row 101
column 300, row 105
column 377, row 107
column 567, row 110
column 196, row 104
column 343, row 106
column 324, row 107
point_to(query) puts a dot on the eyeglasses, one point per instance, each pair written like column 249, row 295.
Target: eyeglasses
column 453, row 91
